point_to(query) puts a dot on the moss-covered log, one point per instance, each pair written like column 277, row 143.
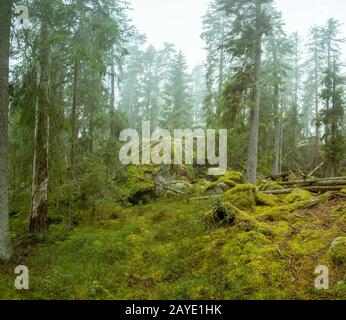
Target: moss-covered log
column 329, row 181
column 311, row 189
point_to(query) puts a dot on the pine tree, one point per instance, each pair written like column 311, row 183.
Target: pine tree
column 251, row 20
column 178, row 96
column 333, row 96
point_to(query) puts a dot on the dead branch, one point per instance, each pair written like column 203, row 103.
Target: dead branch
column 316, row 169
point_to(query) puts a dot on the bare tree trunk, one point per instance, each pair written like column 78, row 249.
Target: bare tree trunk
column 5, row 25
column 39, row 213
column 251, row 170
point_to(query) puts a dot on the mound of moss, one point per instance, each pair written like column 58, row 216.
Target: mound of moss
column 338, row 251
column 270, row 185
column 139, row 183
column 299, row 195
column 242, row 196
column 221, row 214
column 229, row 180
column 268, row 200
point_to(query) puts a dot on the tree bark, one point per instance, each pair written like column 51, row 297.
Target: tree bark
column 252, row 159
column 222, row 56
column 317, row 155
column 276, row 160
column 5, row 25
column 39, row 213
column 113, row 129
column 74, row 116
column 311, row 189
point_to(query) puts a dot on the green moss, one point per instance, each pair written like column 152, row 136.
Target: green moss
column 263, row 199
column 221, row 214
column 242, row 196
column 270, row 185
column 222, row 183
column 163, row 250
column 277, row 212
column 298, row 195
column 139, row 182
column 338, row 252
column 229, row 180
column 234, row 176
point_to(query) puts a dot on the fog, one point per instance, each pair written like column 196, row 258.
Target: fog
column 179, row 21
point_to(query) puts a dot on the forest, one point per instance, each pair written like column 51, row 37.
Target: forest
column 84, row 225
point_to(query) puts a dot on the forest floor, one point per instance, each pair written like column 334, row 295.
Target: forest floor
column 163, row 250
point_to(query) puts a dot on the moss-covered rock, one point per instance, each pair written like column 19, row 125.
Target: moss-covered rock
column 220, row 186
column 263, row 199
column 338, row 251
column 270, row 185
column 235, row 176
column 229, row 180
column 299, row 195
column 200, row 186
column 140, row 183
column 180, row 186
column 242, row 196
column 276, row 213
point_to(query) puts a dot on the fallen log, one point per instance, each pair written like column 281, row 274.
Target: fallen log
column 214, row 196
column 311, row 189
column 310, row 181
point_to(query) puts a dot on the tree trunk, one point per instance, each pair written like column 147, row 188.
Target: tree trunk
column 222, row 56
column 276, row 160
column 91, row 128
column 39, row 213
column 113, row 131
column 317, row 155
column 251, row 171
column 74, row 117
column 5, row 25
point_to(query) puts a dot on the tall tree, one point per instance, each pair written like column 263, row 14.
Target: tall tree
column 216, row 25
column 315, row 49
column 276, row 69
column 178, row 96
column 5, row 26
column 39, row 213
column 333, row 96
column 251, row 21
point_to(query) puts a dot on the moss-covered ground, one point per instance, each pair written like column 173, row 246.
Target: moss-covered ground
column 164, row 250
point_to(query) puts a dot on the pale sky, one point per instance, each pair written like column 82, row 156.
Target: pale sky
column 179, row 21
